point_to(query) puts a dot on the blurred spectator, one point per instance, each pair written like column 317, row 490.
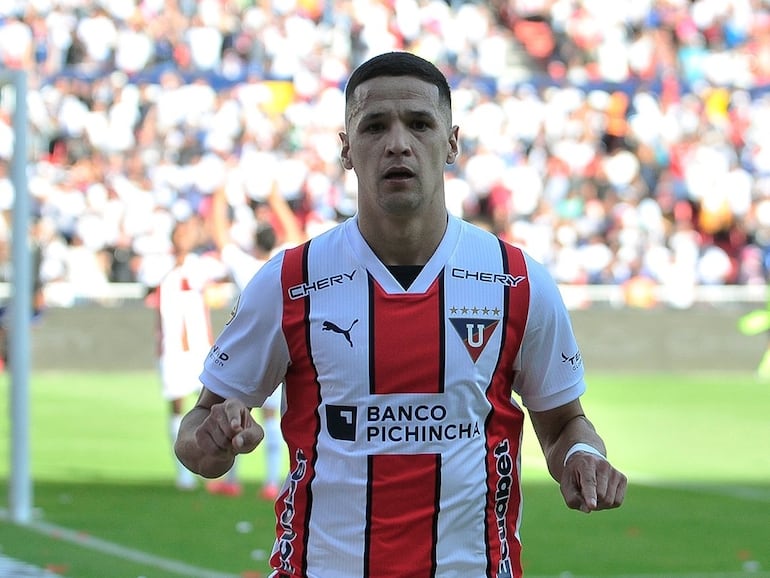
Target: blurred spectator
column 616, row 141
column 184, row 334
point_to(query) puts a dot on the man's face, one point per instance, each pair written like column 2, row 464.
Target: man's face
column 398, row 141
column 185, row 237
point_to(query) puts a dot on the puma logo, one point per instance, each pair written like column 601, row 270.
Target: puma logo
column 329, row 326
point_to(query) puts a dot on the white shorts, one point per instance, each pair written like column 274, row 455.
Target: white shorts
column 179, row 374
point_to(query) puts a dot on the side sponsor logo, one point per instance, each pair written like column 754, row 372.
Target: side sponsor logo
column 575, row 361
column 218, row 356
column 286, row 516
column 504, row 467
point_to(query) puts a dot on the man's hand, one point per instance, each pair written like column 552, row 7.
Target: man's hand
column 228, row 430
column 590, row 483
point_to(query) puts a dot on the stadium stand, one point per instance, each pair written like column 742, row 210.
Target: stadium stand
column 623, row 144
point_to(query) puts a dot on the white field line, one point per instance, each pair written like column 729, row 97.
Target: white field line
column 112, row 549
column 10, row 567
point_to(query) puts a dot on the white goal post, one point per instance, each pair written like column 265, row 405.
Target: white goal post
column 20, row 479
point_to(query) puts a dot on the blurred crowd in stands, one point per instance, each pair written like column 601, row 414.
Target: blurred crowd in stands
column 614, row 140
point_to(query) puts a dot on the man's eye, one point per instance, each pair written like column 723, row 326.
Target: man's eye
column 420, row 125
column 376, row 127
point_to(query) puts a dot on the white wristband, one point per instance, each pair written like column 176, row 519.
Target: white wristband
column 581, row 447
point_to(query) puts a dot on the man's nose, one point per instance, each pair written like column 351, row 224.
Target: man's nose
column 399, row 140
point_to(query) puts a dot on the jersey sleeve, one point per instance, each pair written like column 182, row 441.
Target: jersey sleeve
column 250, row 356
column 549, row 367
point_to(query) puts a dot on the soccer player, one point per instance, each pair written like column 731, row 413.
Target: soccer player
column 404, row 338
column 277, row 228
column 184, row 328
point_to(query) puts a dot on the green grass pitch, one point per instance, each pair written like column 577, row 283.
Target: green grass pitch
column 696, row 449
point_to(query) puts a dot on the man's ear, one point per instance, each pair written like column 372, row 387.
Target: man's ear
column 454, row 147
column 345, row 152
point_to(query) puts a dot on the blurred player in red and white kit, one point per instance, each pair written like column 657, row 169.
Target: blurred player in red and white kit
column 277, row 228
column 184, row 324
column 405, row 339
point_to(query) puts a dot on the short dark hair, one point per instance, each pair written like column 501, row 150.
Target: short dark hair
column 399, row 63
column 265, row 238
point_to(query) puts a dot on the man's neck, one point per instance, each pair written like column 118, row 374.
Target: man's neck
column 402, row 242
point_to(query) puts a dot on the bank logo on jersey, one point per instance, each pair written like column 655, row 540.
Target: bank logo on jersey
column 392, row 426
column 474, row 332
column 341, row 422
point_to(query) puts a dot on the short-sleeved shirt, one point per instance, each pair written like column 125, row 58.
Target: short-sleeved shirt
column 184, row 327
column 401, row 416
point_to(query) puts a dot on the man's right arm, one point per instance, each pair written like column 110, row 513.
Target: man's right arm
column 219, row 221
column 215, row 431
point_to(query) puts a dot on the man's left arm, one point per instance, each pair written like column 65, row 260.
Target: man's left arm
column 576, row 458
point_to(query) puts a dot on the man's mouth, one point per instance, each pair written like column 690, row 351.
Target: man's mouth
column 398, row 173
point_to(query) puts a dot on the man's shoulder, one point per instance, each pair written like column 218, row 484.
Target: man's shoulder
column 480, row 231
column 332, row 231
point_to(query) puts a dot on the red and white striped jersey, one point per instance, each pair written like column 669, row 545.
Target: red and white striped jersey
column 403, row 434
